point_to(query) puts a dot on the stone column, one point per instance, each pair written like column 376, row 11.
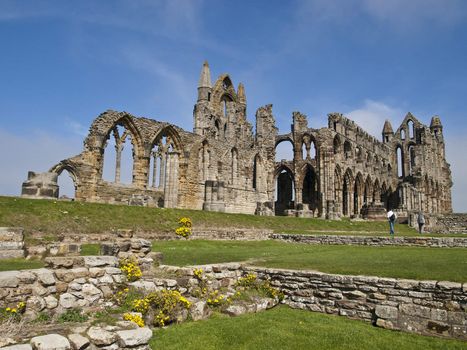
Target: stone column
column 118, row 151
column 163, row 169
column 154, row 169
column 171, row 180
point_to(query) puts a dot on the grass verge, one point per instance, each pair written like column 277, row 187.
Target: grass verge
column 55, row 217
column 287, row 329
column 19, row 264
column 400, row 262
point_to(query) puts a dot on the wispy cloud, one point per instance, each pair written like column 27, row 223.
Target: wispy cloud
column 372, row 114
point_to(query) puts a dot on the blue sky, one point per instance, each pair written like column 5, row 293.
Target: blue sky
column 63, row 63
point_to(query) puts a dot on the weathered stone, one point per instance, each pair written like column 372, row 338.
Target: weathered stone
column 415, row 310
column 445, row 285
column 46, row 277
column 36, row 303
column 134, row 337
column 97, row 272
column 51, row 302
column 67, row 301
column 438, row 327
column 91, row 293
column 50, row 342
column 199, row 310
column 235, row 310
column 8, row 279
column 100, row 336
column 26, row 277
column 355, row 294
column 384, row 324
column 98, row 261
column 386, row 312
column 78, row 342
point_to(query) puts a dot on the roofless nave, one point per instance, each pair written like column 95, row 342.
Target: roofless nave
column 338, row 170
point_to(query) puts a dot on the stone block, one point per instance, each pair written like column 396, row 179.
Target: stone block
column 386, row 312
column 11, row 234
column 415, row 310
column 9, row 279
column 134, row 337
column 100, row 261
column 11, row 254
column 101, row 337
column 18, row 347
column 78, row 342
column 50, row 342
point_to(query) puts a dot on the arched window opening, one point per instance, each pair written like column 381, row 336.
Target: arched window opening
column 66, row 186
column 335, row 126
column 337, row 190
column 411, row 159
column 310, row 192
column 285, row 192
column 357, row 196
column 284, row 151
column 118, row 156
column 304, row 153
column 402, row 134
column 400, row 162
column 411, row 128
column 347, row 150
column 312, row 150
column 157, row 173
column 337, row 145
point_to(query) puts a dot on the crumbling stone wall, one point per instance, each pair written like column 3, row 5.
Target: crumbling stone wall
column 338, row 170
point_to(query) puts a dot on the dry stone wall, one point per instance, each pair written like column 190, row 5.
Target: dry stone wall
column 435, row 242
column 11, row 242
column 424, row 307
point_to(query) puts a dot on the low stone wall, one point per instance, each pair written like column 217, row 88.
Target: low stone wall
column 424, row 307
column 11, row 242
column 122, row 336
column 120, row 248
column 231, row 234
column 68, row 283
column 438, row 242
column 452, row 223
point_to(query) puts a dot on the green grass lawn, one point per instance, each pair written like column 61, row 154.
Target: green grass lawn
column 287, row 329
column 401, row 262
column 19, row 264
column 53, row 217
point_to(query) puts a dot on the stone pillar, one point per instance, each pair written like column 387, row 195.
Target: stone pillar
column 171, row 180
column 118, row 162
column 154, row 170
column 163, row 169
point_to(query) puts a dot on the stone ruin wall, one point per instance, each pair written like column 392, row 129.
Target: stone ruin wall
column 336, row 171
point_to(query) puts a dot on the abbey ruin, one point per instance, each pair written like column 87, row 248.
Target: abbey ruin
column 336, row 171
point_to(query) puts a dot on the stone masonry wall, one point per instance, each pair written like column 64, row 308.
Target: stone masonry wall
column 11, row 243
column 424, row 307
column 441, row 242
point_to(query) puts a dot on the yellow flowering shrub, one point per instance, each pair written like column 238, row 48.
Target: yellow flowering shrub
column 185, row 227
column 216, row 299
column 134, row 318
column 131, row 269
column 247, row 281
column 167, row 303
column 198, row 273
column 140, row 305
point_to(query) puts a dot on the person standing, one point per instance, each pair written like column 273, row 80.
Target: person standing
column 392, row 219
column 420, row 221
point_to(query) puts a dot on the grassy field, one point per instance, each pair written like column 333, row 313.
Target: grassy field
column 55, row 217
column 402, row 262
column 287, row 329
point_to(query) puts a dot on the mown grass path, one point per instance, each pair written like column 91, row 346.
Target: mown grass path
column 287, row 329
column 448, row 264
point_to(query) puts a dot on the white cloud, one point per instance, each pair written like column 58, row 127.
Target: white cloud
column 372, row 114
column 37, row 152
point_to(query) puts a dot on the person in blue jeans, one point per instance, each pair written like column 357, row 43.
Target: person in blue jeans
column 392, row 219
